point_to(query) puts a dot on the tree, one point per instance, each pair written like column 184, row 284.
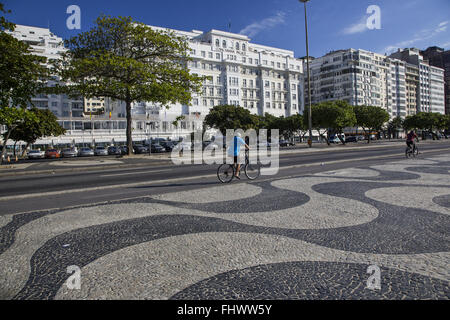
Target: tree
column 292, row 125
column 22, row 76
column 231, row 117
column 370, row 118
column 331, row 117
column 393, row 126
column 128, row 61
column 43, row 124
column 344, row 117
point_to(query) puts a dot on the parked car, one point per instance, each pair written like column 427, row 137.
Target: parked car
column 114, row 151
column 36, row 154
column 351, row 139
column 283, row 143
column 360, row 138
column 86, row 152
column 69, row 153
column 140, row 149
column 124, row 150
column 168, row 145
column 156, row 148
column 101, row 151
column 52, row 154
column 334, row 139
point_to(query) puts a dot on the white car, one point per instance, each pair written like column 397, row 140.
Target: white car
column 36, row 154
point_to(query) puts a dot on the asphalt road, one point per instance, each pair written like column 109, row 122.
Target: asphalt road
column 61, row 190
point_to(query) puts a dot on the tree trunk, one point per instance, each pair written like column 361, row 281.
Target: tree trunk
column 15, row 145
column 4, row 145
column 129, row 128
column 25, row 150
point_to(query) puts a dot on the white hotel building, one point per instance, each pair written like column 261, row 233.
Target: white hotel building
column 259, row 78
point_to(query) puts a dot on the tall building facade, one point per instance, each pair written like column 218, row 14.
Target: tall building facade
column 402, row 84
column 259, row 78
column 361, row 78
column 440, row 58
column 431, row 97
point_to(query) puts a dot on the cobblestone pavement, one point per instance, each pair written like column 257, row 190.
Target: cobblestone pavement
column 306, row 237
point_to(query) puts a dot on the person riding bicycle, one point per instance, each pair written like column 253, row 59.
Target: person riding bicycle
column 234, row 151
column 410, row 140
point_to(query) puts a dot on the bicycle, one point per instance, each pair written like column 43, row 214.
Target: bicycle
column 226, row 172
column 412, row 152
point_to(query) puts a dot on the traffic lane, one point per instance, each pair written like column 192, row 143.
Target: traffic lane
column 37, row 184
column 145, row 190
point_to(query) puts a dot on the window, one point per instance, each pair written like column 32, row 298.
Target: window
column 203, row 54
column 243, row 47
column 210, row 55
column 238, row 46
column 224, row 44
column 218, row 56
column 217, row 43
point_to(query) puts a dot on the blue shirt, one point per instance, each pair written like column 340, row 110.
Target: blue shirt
column 235, row 147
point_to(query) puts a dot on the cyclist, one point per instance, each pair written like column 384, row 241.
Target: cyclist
column 410, row 140
column 235, row 149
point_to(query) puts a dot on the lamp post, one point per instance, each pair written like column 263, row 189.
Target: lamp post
column 308, row 73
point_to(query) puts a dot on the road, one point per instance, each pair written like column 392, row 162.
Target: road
column 140, row 178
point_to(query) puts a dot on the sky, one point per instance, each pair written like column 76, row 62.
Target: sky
column 332, row 24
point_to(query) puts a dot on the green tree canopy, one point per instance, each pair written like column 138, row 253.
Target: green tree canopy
column 370, row 118
column 128, row 61
column 42, row 124
column 231, row 117
column 22, row 76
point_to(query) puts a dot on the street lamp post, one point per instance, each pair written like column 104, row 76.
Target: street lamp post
column 308, row 74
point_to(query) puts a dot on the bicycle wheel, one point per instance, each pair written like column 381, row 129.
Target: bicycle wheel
column 408, row 153
column 415, row 152
column 225, row 173
column 252, row 171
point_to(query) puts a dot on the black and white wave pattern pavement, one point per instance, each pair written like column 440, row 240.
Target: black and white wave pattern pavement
column 308, row 237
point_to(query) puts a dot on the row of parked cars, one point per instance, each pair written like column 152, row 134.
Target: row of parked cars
column 75, row 152
column 53, row 153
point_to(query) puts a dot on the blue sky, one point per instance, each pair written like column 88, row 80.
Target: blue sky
column 333, row 24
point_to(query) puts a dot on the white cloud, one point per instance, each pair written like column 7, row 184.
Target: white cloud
column 268, row 23
column 422, row 35
column 359, row 27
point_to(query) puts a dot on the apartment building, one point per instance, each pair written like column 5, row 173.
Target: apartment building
column 440, row 58
column 361, row 78
column 402, row 84
column 259, row 78
column 431, row 94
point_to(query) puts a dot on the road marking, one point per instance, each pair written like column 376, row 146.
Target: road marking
column 133, row 173
column 167, row 181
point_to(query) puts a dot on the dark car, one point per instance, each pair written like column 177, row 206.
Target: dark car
column 114, row 151
column 168, row 145
column 156, row 148
column 351, row 139
column 140, row 149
